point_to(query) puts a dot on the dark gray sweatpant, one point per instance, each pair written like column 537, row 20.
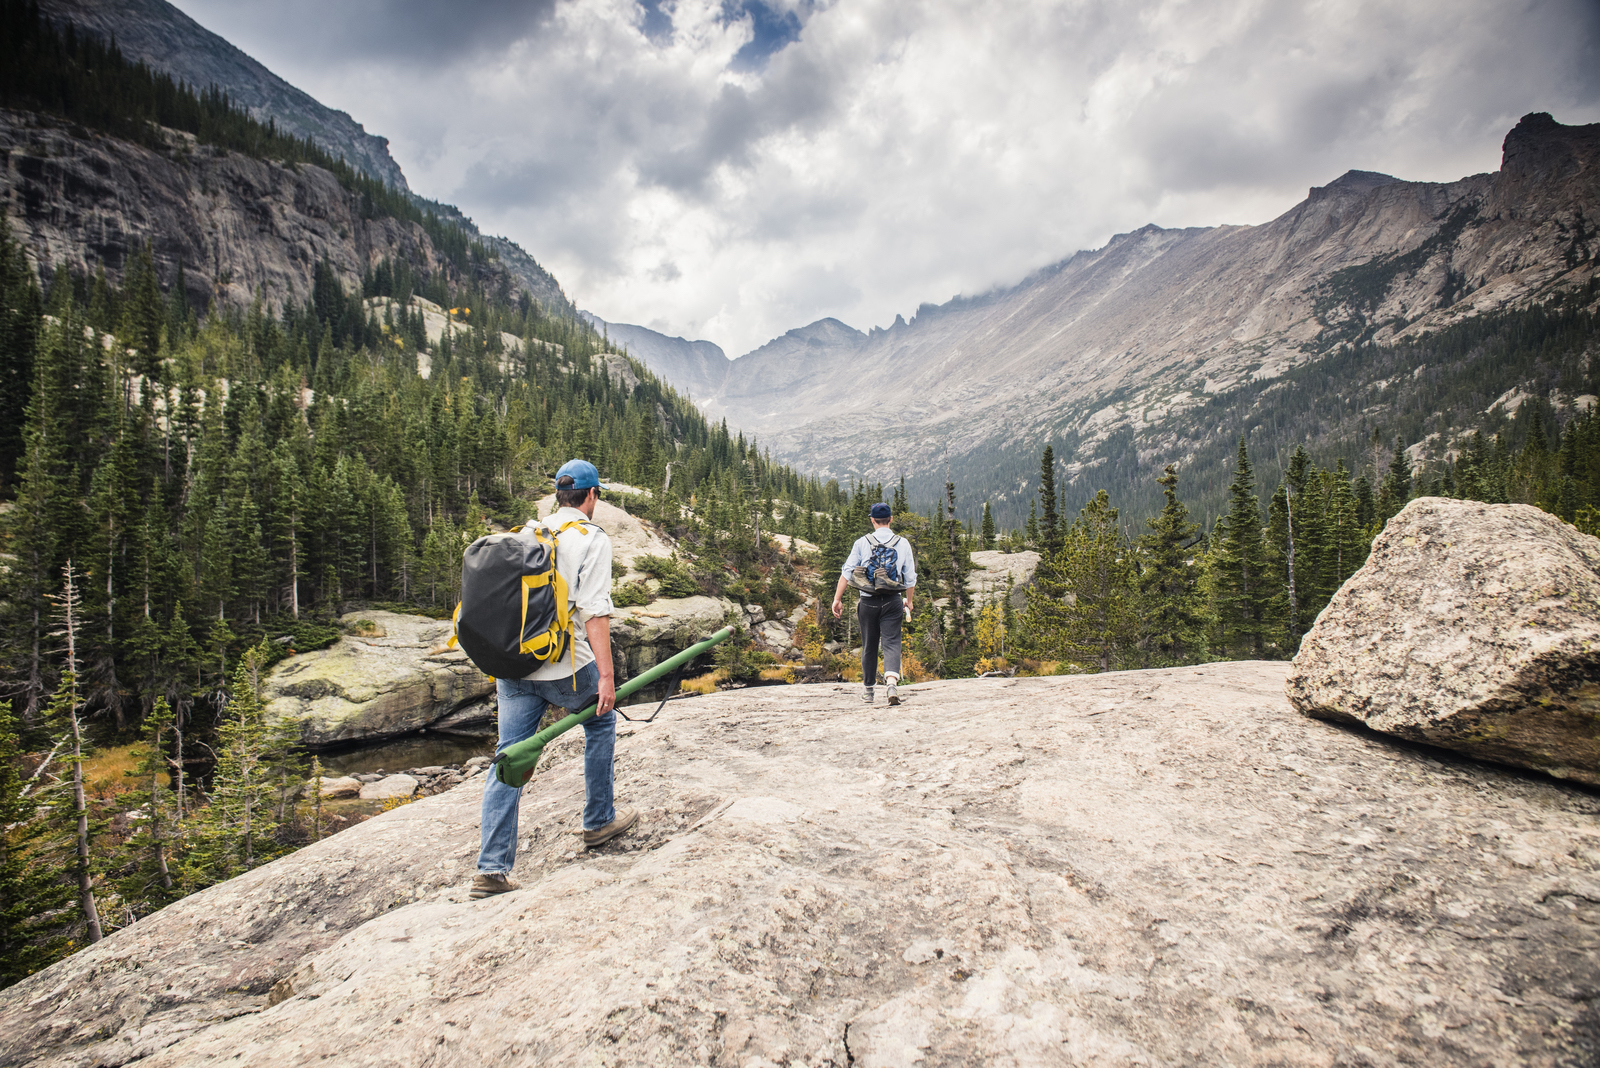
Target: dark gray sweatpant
column 880, row 616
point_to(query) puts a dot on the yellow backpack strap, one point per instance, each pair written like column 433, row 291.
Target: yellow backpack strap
column 455, row 618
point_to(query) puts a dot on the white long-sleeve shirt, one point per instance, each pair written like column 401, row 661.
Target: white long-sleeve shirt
column 583, row 560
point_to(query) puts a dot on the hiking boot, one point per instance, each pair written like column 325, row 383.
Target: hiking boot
column 488, row 884
column 860, row 579
column 894, row 693
column 626, row 818
column 881, row 582
column 866, row 694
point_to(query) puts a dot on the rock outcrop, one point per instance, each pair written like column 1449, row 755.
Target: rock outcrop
column 1160, row 867
column 1472, row 626
column 166, row 39
column 392, row 682
column 234, row 223
column 994, row 572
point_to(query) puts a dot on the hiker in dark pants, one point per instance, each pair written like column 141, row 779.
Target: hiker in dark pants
column 881, row 566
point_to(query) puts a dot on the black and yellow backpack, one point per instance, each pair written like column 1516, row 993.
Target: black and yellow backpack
column 514, row 616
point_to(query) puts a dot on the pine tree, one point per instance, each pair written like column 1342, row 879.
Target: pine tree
column 21, row 305
column 64, row 714
column 987, row 538
column 1096, row 566
column 30, row 891
column 1241, row 580
column 1395, row 489
column 234, row 832
column 149, row 884
column 1049, row 525
column 1168, row 580
column 957, row 565
column 143, row 313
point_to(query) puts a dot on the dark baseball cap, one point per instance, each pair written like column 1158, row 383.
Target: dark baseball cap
column 584, row 475
column 881, row 511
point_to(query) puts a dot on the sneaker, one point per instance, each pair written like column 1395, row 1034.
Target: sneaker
column 866, row 694
column 626, row 818
column 894, row 693
column 488, row 884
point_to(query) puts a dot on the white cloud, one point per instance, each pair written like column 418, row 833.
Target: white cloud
column 896, row 153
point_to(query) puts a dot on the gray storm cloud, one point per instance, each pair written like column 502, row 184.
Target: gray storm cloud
column 735, row 168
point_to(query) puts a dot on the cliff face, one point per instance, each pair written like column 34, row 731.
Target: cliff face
column 166, row 39
column 1129, row 340
column 236, row 224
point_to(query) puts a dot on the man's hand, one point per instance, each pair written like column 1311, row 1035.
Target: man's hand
column 608, row 696
column 838, row 598
column 838, row 608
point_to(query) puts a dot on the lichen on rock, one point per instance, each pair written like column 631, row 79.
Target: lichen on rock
column 396, row 681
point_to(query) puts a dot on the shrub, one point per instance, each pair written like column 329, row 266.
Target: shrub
column 630, row 594
column 676, row 579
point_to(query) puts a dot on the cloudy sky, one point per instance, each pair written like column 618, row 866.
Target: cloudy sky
column 731, row 169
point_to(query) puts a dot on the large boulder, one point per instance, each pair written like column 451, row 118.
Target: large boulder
column 387, row 679
column 1472, row 626
column 1155, row 867
column 389, row 787
column 644, row 636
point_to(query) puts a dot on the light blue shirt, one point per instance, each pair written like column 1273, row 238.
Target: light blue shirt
column 861, row 552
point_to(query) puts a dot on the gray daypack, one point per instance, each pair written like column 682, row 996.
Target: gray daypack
column 515, row 611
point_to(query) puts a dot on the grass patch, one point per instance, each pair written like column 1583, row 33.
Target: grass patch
column 703, row 684
column 106, row 773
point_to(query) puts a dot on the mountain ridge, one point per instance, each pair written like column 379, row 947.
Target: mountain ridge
column 1124, row 340
column 165, row 38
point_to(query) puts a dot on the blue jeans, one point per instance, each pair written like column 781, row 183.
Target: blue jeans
column 522, row 705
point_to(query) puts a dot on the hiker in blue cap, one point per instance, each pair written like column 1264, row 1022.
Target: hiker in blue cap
column 584, row 675
column 881, row 566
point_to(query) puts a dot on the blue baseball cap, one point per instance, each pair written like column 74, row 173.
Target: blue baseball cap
column 584, row 475
column 881, row 511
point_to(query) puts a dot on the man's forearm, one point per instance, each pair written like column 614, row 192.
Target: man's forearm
column 598, row 630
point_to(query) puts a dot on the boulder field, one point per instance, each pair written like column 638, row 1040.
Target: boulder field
column 1157, row 867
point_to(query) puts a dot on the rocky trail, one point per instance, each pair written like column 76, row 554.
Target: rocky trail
column 1138, row 868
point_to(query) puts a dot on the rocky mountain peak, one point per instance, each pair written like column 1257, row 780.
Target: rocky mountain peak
column 1354, row 182
column 1539, row 148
